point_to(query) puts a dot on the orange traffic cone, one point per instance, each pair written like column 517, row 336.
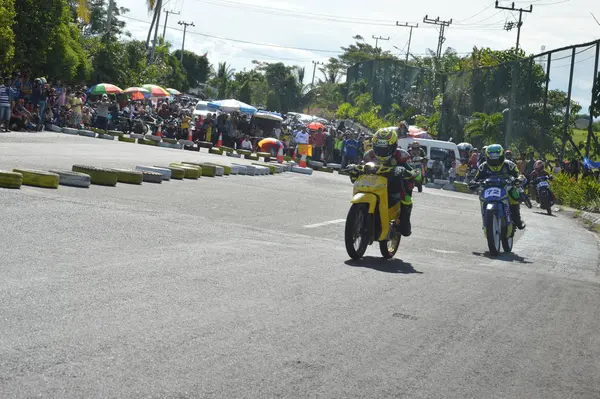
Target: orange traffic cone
column 220, row 141
column 280, row 155
column 159, row 130
column 190, row 138
column 303, row 161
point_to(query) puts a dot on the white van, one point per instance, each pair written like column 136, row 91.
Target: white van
column 435, row 149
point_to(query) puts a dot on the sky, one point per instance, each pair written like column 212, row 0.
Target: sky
column 314, row 30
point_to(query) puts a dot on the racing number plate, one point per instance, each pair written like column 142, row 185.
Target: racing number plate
column 492, row 192
column 543, row 184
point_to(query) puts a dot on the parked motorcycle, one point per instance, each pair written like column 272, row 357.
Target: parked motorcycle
column 498, row 226
column 545, row 196
column 369, row 218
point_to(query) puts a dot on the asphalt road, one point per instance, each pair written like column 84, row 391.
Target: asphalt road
column 241, row 287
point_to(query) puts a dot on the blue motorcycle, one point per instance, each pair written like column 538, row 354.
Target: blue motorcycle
column 544, row 195
column 498, row 226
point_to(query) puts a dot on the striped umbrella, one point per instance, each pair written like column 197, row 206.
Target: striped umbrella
column 156, row 91
column 136, row 93
column 174, row 92
column 104, row 88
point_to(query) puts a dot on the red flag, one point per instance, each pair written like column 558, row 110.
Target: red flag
column 205, row 54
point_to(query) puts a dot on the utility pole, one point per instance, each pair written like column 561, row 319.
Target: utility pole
column 443, row 25
column 377, row 39
column 315, row 71
column 406, row 25
column 109, row 12
column 166, row 19
column 157, row 12
column 519, row 24
column 185, row 25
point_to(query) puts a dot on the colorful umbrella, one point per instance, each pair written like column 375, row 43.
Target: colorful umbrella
column 316, row 126
column 156, row 91
column 104, row 88
column 231, row 106
column 174, row 92
column 274, row 116
column 136, row 93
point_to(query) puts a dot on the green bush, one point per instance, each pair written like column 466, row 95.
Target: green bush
column 579, row 194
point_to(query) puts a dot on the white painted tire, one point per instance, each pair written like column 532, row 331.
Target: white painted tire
column 315, row 164
column 106, row 137
column 233, row 155
column 152, row 137
column 262, row 170
column 176, row 146
column 433, row 185
column 336, row 166
column 166, row 173
column 72, row 179
column 235, row 170
column 441, row 182
column 448, row 187
column 86, row 133
column 304, row 171
column 242, row 169
column 250, row 170
column 164, row 145
column 136, row 136
column 219, row 170
column 55, row 128
column 186, row 143
column 71, row 131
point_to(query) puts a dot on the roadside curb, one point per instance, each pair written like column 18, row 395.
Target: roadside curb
column 590, row 220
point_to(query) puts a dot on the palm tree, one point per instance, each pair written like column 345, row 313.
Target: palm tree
column 82, row 8
column 224, row 75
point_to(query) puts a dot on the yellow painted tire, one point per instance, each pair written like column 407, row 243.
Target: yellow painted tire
column 129, row 176
column 226, row 149
column 244, row 152
column 191, row 172
column 127, row 139
column 10, row 179
column 115, row 133
column 168, row 140
column 176, row 172
column 216, row 151
column 38, row 178
column 251, row 157
column 99, row 176
column 226, row 168
column 265, row 155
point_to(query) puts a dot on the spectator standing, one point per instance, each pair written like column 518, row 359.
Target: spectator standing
column 102, row 113
column 522, row 164
column 7, row 95
column 350, row 151
column 461, row 172
column 529, row 164
column 76, row 104
column 319, row 144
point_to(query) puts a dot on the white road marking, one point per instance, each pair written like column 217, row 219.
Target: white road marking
column 441, row 251
column 312, row 226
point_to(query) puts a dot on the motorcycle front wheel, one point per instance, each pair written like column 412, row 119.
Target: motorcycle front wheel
column 356, row 235
column 389, row 248
column 493, row 231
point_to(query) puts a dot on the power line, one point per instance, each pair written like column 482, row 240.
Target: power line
column 520, row 23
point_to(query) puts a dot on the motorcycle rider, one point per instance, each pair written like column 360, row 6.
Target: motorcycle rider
column 497, row 165
column 509, row 155
column 538, row 170
column 386, row 152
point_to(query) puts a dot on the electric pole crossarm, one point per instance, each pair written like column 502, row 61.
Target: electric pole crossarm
column 407, row 25
column 185, row 25
column 442, row 25
column 519, row 24
column 377, row 39
column 166, row 19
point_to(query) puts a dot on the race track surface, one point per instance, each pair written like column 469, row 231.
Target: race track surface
column 241, row 287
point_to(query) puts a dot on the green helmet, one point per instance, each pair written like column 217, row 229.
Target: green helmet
column 494, row 155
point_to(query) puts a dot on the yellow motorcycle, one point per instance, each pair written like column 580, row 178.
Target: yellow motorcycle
column 369, row 218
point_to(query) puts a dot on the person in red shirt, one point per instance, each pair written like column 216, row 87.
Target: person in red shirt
column 318, row 145
column 473, row 159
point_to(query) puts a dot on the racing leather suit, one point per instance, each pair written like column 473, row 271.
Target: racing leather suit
column 508, row 169
column 400, row 187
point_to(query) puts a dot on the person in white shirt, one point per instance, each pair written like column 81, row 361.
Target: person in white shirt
column 277, row 132
column 246, row 144
column 302, row 136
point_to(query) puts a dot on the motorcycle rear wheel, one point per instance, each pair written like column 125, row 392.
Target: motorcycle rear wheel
column 357, row 230
column 493, row 233
column 389, row 248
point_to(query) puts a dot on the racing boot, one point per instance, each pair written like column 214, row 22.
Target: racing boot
column 515, row 212
column 404, row 226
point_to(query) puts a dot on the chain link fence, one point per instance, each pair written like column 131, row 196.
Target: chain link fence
column 538, row 102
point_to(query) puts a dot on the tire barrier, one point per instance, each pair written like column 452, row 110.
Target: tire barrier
column 147, row 142
column 226, row 149
column 216, row 151
column 191, row 172
column 233, row 155
column 115, row 133
column 38, row 178
column 462, row 187
column 106, row 137
column 265, row 155
column 186, row 143
column 324, row 169
column 71, row 131
column 86, row 133
column 441, row 182
column 449, row 187
column 153, row 137
column 99, row 176
column 10, row 179
column 56, row 129
column 152, row 177
column 205, row 144
column 433, row 185
column 315, row 164
column 304, row 171
column 72, row 179
column 251, row 157
column 129, row 176
column 243, row 152
column 226, row 168
column 207, row 169
column 241, row 169
column 335, row 166
column 164, row 172
column 136, row 135
column 126, row 139
column 176, row 173
column 261, row 170
column 168, row 140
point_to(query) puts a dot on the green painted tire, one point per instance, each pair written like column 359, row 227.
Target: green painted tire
column 191, row 172
column 10, row 179
column 244, row 152
column 226, row 149
column 226, row 168
column 176, row 173
column 99, row 176
column 216, row 151
column 323, row 169
column 251, row 157
column 205, row 144
column 129, row 176
column 266, row 155
column 115, row 133
column 168, row 140
column 126, row 139
column 38, row 178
